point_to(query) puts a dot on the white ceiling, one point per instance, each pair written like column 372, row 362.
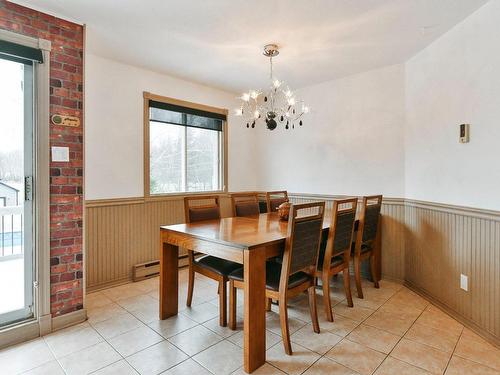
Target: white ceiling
column 219, row 42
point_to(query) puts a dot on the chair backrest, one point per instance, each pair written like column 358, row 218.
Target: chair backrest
column 341, row 230
column 201, row 207
column 275, row 198
column 262, row 202
column 245, row 204
column 303, row 240
column 369, row 219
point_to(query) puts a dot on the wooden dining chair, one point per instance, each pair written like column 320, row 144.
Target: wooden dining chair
column 297, row 273
column 336, row 256
column 275, row 198
column 365, row 246
column 199, row 208
column 245, row 204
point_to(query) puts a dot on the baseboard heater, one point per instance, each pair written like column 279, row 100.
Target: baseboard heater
column 143, row 271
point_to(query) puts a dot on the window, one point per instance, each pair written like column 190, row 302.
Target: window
column 185, row 147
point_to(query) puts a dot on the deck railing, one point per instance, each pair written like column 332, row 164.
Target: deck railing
column 11, row 231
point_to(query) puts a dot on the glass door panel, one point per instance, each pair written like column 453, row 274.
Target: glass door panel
column 16, row 194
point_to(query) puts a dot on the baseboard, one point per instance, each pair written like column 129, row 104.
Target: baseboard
column 69, row 319
column 494, row 340
column 392, row 279
column 19, row 333
column 110, row 284
column 45, row 323
column 183, row 262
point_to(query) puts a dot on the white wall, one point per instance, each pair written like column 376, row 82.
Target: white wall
column 392, row 131
column 114, row 127
column 351, row 142
column 456, row 80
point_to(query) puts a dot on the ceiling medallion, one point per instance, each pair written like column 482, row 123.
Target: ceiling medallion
column 277, row 105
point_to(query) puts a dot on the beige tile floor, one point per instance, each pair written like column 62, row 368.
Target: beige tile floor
column 391, row 331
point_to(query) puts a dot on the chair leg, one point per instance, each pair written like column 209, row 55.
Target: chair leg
column 313, row 308
column 232, row 305
column 326, row 297
column 222, row 303
column 269, row 301
column 357, row 276
column 374, row 273
column 190, row 283
column 347, row 286
column 285, row 331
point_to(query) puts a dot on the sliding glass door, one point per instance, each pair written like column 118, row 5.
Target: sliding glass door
column 16, row 191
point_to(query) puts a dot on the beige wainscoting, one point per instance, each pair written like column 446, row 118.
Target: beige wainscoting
column 445, row 241
column 120, row 233
column 424, row 244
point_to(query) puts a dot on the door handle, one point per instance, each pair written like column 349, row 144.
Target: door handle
column 28, row 188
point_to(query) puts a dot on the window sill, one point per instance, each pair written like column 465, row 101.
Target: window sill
column 176, row 196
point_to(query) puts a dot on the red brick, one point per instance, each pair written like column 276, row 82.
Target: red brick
column 64, row 233
column 70, row 68
column 75, row 266
column 55, row 100
column 58, row 269
column 58, row 251
column 66, row 59
column 59, row 74
column 59, row 180
column 69, row 103
column 67, row 277
column 68, row 189
column 60, row 92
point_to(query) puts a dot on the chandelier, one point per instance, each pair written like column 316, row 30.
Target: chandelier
column 277, row 105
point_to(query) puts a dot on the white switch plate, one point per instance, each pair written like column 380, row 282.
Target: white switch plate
column 464, row 282
column 60, row 153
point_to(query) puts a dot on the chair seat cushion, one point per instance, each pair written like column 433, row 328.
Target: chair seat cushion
column 220, row 266
column 336, row 261
column 273, row 274
column 365, row 247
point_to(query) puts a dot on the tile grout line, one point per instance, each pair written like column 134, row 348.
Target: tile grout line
column 112, row 347
column 386, row 355
column 345, row 337
column 454, row 348
column 402, row 337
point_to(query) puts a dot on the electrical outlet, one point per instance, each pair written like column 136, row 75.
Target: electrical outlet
column 464, row 282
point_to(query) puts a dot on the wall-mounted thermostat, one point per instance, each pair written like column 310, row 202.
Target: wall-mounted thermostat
column 464, row 133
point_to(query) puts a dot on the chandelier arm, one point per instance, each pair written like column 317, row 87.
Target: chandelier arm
column 278, row 103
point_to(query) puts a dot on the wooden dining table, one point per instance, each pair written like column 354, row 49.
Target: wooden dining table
column 245, row 240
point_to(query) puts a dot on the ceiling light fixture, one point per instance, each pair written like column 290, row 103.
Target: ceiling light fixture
column 278, row 104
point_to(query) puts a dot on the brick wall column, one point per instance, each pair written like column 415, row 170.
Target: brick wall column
column 66, row 179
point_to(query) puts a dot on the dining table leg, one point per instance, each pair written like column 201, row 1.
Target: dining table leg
column 169, row 280
column 254, row 321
